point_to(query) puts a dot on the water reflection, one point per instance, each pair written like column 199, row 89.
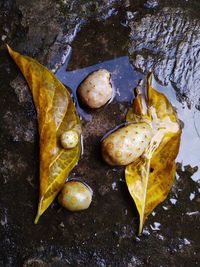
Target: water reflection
column 190, row 140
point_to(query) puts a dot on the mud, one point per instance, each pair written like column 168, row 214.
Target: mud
column 88, row 35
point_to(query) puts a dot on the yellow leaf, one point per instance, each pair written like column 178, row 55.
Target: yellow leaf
column 138, row 112
column 56, row 114
column 150, row 178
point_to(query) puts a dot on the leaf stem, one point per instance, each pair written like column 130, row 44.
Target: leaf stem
column 146, row 170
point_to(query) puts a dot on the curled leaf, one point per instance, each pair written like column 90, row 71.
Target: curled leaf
column 150, row 178
column 56, row 114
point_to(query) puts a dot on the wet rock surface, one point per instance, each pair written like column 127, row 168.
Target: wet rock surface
column 167, row 42
column 105, row 234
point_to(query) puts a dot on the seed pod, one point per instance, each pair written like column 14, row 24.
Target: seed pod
column 126, row 144
column 96, row 90
column 69, row 139
column 75, row 196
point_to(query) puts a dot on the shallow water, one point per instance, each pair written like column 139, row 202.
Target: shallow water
column 124, row 79
column 189, row 153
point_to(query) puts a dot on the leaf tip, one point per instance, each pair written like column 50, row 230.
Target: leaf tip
column 9, row 48
column 37, row 219
column 140, row 229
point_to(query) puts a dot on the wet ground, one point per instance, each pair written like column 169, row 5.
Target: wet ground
column 129, row 40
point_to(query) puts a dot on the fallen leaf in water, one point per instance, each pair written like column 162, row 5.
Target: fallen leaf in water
column 150, row 178
column 56, row 114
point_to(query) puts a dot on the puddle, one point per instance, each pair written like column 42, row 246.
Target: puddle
column 125, row 78
column 189, row 153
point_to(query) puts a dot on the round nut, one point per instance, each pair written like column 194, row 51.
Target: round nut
column 69, row 139
column 126, row 144
column 75, row 196
column 96, row 90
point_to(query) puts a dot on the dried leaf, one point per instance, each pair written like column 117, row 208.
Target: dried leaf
column 150, row 178
column 56, row 114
